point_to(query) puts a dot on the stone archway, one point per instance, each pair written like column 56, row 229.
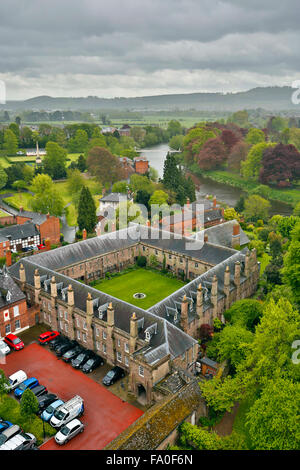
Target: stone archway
column 141, row 394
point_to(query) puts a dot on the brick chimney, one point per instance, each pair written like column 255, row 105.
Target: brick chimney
column 110, row 315
column 8, row 257
column 215, row 202
column 48, row 216
column 84, row 234
column 133, row 332
column 184, row 314
column 235, row 240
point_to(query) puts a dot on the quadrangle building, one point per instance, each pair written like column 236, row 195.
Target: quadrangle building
column 151, row 345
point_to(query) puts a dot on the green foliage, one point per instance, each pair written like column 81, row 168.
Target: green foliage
column 291, row 269
column 233, row 344
column 54, row 162
column 251, row 166
column 29, row 405
column 3, row 382
column 245, row 313
column 141, row 261
column 159, row 197
column 256, row 208
column 273, row 420
column 87, row 218
column 255, row 136
column 46, row 197
column 10, row 142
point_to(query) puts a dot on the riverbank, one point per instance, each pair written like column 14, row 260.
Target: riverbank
column 286, row 196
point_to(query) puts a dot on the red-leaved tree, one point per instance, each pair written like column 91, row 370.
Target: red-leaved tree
column 212, row 155
column 280, row 165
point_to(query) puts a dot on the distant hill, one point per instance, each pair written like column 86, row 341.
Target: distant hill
column 269, row 98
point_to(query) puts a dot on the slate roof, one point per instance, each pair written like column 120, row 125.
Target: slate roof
column 114, row 197
column 35, row 217
column 9, row 290
column 222, row 234
column 175, row 341
column 18, row 231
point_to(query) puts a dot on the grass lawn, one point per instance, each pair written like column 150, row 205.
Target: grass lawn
column 239, row 425
column 19, row 200
column 264, row 260
column 156, row 286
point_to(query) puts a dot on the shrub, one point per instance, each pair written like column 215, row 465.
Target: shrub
column 141, row 261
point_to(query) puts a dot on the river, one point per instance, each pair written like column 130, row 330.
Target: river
column 223, row 192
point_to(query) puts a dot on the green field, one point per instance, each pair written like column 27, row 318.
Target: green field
column 20, row 199
column 156, row 286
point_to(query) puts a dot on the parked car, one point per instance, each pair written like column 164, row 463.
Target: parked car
column 61, row 349
column 69, row 431
column 41, row 247
column 39, row 390
column 46, row 400
column 4, row 348
column 4, row 425
column 70, row 410
column 9, row 433
column 27, row 248
column 81, row 358
column 48, row 336
column 58, row 340
column 16, row 379
column 49, row 411
column 14, row 342
column 27, row 384
column 92, row 364
column 22, row 441
column 71, row 353
column 113, row 375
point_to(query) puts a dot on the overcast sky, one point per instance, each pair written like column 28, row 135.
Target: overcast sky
column 146, row 47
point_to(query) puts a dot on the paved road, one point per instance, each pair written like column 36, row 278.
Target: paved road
column 106, row 415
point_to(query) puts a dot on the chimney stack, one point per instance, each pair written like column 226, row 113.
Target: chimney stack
column 184, row 314
column 133, row 332
column 84, row 234
column 200, row 301
column 235, row 240
column 215, row 202
column 8, row 257
column 70, row 296
column 53, row 287
column 110, row 315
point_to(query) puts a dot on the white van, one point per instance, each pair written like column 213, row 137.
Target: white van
column 68, row 411
column 16, row 379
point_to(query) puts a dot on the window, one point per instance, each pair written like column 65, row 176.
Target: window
column 97, row 332
column 77, row 322
column 141, row 371
column 126, row 347
column 49, row 306
column 66, row 328
column 85, row 325
column 170, row 256
column 196, row 265
column 7, row 329
column 78, row 334
column 61, row 325
column 17, row 324
column 84, row 337
column 119, row 356
column 104, row 348
column 49, row 318
column 97, row 345
column 126, row 361
column 119, row 343
column 66, row 316
column 104, row 335
column 61, row 313
column 45, row 316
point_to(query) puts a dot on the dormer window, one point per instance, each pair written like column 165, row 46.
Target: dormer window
column 148, row 337
column 8, row 296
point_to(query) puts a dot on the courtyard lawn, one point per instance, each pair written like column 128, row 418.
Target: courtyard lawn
column 155, row 285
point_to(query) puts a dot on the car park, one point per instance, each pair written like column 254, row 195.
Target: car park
column 4, row 425
column 49, row 411
column 14, row 342
column 70, row 410
column 81, row 358
column 69, row 431
column 113, row 375
column 48, row 336
column 61, row 349
column 22, row 441
column 46, row 400
column 4, row 348
column 92, row 363
column 16, row 379
column 39, row 390
column 9, row 433
column 27, row 384
column 71, row 353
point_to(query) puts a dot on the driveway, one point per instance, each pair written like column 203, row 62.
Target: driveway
column 106, row 415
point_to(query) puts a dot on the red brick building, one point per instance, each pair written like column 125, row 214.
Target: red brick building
column 14, row 314
column 141, row 165
column 47, row 225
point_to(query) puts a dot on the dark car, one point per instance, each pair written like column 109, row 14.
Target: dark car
column 46, row 400
column 92, row 364
column 39, row 390
column 61, row 349
column 71, row 353
column 113, row 375
column 81, row 358
column 58, row 340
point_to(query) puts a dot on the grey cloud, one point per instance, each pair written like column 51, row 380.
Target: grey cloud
column 96, row 39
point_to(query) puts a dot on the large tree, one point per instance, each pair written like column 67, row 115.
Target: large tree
column 212, row 155
column 256, row 207
column 46, row 197
column 87, row 217
column 10, row 142
column 280, row 165
column 104, row 166
column 55, row 161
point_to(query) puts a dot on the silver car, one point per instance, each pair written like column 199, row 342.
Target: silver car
column 69, row 431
